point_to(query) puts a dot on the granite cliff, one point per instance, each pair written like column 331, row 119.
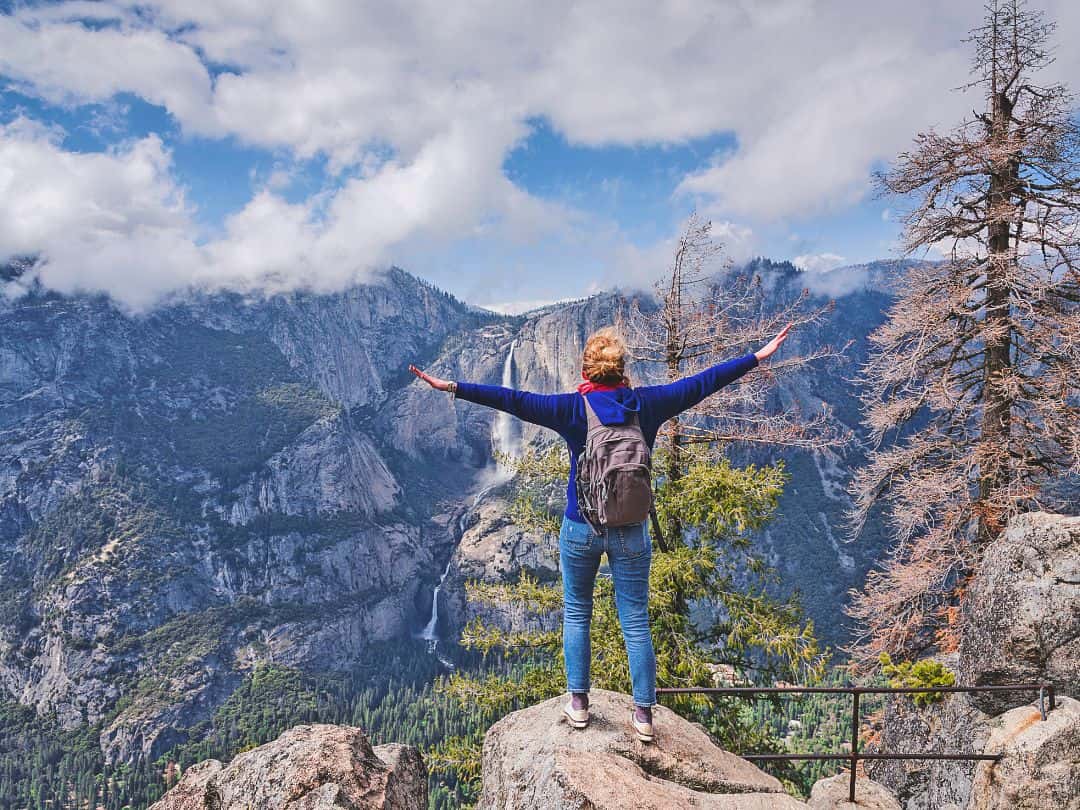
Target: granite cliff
column 1021, row 625
column 190, row 491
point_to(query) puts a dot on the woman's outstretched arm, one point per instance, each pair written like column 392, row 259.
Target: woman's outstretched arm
column 555, row 411
column 675, row 397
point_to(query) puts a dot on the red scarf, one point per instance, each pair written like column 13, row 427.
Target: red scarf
column 589, row 386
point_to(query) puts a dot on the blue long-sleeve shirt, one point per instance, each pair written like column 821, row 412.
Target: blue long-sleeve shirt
column 565, row 413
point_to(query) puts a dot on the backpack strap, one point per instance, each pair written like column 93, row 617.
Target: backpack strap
column 590, row 415
column 594, row 420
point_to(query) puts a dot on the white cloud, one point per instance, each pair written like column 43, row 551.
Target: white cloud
column 840, row 118
column 520, row 307
column 739, row 243
column 809, row 88
column 113, row 221
column 636, row 267
column 621, row 263
column 118, row 221
column 280, row 177
column 826, row 274
column 966, row 248
column 66, row 62
column 818, row 262
column 451, row 185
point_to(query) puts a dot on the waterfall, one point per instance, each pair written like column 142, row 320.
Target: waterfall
column 506, row 440
column 431, row 630
column 505, row 436
column 430, row 633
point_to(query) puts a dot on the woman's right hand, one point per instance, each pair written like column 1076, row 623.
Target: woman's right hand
column 434, row 382
column 769, row 349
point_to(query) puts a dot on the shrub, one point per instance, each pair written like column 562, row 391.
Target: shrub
column 920, row 674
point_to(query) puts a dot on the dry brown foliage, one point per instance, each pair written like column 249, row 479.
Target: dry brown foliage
column 706, row 317
column 973, row 387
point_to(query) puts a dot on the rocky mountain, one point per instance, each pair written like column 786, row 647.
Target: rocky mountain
column 230, row 480
column 189, row 491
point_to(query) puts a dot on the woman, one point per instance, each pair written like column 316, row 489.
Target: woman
column 629, row 548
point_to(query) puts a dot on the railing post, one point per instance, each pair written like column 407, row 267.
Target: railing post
column 854, row 741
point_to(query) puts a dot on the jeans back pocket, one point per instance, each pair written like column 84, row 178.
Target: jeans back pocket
column 576, row 535
column 633, row 540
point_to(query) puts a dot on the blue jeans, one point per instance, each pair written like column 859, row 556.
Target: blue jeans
column 629, row 550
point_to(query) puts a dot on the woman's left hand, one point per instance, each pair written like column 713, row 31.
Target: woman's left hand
column 769, row 349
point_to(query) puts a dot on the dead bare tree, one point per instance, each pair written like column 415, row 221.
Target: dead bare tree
column 704, row 317
column 972, row 400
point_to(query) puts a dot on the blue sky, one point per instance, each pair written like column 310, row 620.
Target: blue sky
column 513, row 155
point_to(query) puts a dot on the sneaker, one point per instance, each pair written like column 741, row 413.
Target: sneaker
column 579, row 718
column 642, row 727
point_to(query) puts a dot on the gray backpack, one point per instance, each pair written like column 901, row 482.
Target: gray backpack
column 614, row 473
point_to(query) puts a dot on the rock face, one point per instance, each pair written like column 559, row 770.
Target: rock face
column 1038, row 769
column 1021, row 625
column 1023, row 622
column 307, row 768
column 534, row 760
column 493, row 549
column 1040, row 763
column 186, row 493
column 951, row 726
column 832, row 794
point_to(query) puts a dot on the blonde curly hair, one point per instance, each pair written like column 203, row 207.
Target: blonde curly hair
column 604, row 359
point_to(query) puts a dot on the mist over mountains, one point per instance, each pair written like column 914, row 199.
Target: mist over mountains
column 222, row 481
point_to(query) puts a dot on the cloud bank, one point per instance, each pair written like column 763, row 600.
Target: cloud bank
column 415, row 108
column 118, row 221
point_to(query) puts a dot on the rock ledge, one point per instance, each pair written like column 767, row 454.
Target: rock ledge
column 318, row 767
column 534, row 759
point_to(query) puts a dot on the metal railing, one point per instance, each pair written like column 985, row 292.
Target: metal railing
column 1046, row 703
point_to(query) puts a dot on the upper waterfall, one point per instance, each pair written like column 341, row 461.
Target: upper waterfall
column 505, row 433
